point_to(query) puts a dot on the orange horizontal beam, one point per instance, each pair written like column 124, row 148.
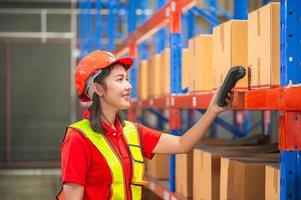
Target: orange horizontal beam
column 292, row 98
column 280, row 98
column 265, row 99
column 153, row 24
column 191, row 101
column 160, row 102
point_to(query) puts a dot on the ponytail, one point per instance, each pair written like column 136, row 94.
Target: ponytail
column 95, row 110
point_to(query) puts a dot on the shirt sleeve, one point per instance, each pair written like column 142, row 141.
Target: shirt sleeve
column 149, row 140
column 74, row 158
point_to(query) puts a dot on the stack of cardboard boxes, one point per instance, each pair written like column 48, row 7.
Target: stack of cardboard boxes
column 229, row 50
column 244, row 178
column 264, row 46
column 207, row 168
column 205, row 172
column 252, row 43
column 201, row 79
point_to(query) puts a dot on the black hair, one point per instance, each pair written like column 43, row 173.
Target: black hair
column 95, row 108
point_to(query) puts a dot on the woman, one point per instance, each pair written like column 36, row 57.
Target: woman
column 102, row 155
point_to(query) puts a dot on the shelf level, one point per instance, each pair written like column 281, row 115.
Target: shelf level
column 281, row 98
column 161, row 189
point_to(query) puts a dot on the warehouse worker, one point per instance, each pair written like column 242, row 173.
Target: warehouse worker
column 103, row 155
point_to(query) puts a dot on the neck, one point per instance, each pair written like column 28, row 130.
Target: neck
column 110, row 119
column 108, row 113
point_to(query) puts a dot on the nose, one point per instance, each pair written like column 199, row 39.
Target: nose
column 128, row 85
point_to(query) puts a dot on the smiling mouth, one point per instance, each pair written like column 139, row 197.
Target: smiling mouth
column 126, row 96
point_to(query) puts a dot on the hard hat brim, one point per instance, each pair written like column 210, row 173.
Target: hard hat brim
column 127, row 61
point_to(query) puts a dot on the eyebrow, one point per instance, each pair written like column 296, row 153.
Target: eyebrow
column 122, row 75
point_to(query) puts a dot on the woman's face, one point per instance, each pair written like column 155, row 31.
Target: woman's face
column 118, row 88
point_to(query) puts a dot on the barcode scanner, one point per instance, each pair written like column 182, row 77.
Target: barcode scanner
column 234, row 74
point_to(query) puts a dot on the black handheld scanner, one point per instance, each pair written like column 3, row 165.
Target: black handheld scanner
column 234, row 74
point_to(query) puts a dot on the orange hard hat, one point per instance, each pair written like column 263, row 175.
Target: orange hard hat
column 90, row 66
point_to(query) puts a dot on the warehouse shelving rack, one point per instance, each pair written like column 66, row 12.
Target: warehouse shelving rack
column 285, row 99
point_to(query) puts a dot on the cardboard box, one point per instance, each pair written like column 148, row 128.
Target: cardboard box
column 165, row 71
column 186, row 67
column 184, row 175
column 150, row 77
column 156, row 73
column 230, row 49
column 243, row 178
column 201, row 47
column 272, row 182
column 206, row 168
column 158, row 167
column 264, row 46
column 206, row 172
column 191, row 82
column 142, row 80
column 184, row 167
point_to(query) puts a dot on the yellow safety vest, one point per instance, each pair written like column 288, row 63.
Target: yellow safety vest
column 118, row 188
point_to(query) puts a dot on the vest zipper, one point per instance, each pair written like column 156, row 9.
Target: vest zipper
column 119, row 158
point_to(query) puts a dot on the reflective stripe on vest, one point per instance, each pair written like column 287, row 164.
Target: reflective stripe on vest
column 118, row 189
column 133, row 141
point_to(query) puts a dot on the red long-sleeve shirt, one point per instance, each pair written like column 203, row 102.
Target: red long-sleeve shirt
column 83, row 164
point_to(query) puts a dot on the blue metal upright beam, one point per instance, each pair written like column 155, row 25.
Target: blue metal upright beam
column 132, row 15
column 176, row 88
column 176, row 63
column 290, row 46
column 131, row 27
column 241, row 12
column 111, row 23
column 290, row 173
column 213, row 3
column 264, row 2
column 290, row 70
column 185, row 30
column 175, row 72
column 98, row 25
column 142, row 48
column 143, row 52
column 161, row 35
column 241, row 9
column 191, row 24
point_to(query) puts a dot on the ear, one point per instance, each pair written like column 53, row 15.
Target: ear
column 98, row 89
